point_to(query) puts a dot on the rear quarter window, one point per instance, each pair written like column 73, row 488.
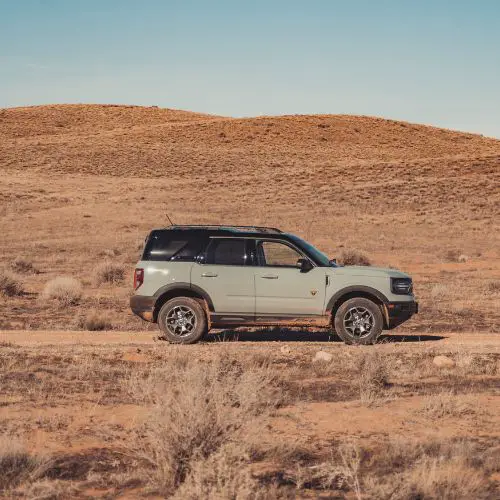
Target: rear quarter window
column 173, row 246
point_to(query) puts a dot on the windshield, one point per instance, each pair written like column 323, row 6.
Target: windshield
column 318, row 256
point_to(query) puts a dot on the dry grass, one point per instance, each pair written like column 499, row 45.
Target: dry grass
column 95, row 321
column 10, row 285
column 16, row 464
column 453, row 255
column 197, row 408
column 227, row 421
column 66, row 290
column 372, row 379
column 23, row 266
column 448, row 404
column 354, row 258
column 109, row 272
column 225, row 475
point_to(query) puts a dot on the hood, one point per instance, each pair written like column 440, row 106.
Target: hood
column 370, row 271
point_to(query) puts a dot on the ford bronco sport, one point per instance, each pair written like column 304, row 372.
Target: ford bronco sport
column 194, row 278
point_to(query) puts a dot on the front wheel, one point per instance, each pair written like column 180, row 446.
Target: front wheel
column 182, row 320
column 359, row 321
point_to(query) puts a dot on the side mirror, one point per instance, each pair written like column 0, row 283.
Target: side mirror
column 304, row 265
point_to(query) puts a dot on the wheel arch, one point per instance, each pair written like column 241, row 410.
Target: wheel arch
column 351, row 292
column 179, row 289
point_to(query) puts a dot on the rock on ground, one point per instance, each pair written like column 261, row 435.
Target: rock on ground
column 322, row 356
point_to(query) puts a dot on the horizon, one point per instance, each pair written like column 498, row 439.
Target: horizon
column 128, row 105
column 434, row 63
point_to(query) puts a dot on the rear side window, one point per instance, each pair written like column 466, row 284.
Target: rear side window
column 173, row 246
column 227, row 252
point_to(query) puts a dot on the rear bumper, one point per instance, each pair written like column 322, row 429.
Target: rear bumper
column 143, row 306
column 399, row 312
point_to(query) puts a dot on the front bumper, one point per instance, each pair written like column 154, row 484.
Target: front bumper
column 399, row 312
column 143, row 306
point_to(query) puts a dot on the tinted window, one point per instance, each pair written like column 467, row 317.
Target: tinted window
column 273, row 253
column 319, row 257
column 227, row 252
column 173, row 245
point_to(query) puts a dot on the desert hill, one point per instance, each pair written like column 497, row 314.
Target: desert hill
column 132, row 140
column 83, row 179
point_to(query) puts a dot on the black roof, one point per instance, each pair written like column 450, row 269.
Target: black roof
column 214, row 229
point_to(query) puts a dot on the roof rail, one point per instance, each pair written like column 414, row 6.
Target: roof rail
column 259, row 229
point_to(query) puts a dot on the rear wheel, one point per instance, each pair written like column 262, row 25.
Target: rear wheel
column 359, row 321
column 182, row 320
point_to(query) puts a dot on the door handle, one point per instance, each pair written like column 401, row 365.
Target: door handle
column 209, row 275
column 269, row 276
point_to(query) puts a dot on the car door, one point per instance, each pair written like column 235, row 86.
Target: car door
column 281, row 289
column 226, row 273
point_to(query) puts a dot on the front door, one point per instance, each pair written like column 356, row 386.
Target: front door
column 227, row 276
column 281, row 289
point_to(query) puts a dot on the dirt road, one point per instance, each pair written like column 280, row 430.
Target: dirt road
column 479, row 342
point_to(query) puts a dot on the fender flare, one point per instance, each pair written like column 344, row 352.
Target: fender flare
column 355, row 288
column 179, row 286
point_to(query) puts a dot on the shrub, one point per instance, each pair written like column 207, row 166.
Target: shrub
column 16, row 465
column 372, row 376
column 94, row 321
column 224, row 475
column 447, row 404
column 354, row 258
column 109, row 272
column 452, row 255
column 197, row 408
column 24, row 266
column 67, row 291
column 440, row 291
column 10, row 285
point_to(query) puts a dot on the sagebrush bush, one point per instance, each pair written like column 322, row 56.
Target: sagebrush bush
column 10, row 285
column 452, row 255
column 197, row 407
column 24, row 266
column 66, row 290
column 354, row 258
column 373, row 376
column 16, row 464
column 94, row 322
column 225, row 475
column 109, row 272
column 447, row 404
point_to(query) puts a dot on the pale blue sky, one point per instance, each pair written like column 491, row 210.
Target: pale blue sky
column 426, row 61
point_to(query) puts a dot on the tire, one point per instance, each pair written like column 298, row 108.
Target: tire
column 182, row 321
column 359, row 321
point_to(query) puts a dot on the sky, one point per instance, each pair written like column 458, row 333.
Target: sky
column 426, row 61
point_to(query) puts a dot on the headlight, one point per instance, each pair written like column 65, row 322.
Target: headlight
column 401, row 286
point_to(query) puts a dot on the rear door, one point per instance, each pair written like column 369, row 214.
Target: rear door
column 227, row 275
column 281, row 289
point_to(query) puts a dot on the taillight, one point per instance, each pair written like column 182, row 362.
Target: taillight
column 138, row 278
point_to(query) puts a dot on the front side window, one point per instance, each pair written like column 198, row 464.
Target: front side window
column 227, row 252
column 276, row 254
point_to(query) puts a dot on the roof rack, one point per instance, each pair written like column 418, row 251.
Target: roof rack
column 258, row 229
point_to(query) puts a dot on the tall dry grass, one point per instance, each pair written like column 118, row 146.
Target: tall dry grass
column 196, row 411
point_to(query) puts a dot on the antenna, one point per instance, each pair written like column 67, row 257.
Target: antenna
column 169, row 219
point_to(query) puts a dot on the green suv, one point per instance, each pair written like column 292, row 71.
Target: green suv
column 194, row 278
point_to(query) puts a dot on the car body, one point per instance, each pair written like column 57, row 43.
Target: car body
column 259, row 276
